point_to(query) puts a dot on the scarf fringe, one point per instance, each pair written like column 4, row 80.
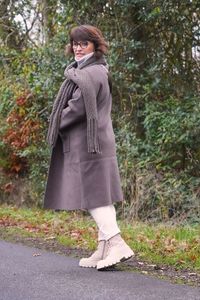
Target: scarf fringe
column 92, row 137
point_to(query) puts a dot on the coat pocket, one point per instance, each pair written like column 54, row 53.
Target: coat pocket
column 65, row 138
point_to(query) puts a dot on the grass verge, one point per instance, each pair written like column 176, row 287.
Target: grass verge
column 177, row 246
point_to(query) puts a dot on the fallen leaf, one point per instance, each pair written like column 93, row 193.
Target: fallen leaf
column 152, row 266
column 36, row 254
column 193, row 257
column 49, row 238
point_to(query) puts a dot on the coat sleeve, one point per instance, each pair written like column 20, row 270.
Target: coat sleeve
column 74, row 112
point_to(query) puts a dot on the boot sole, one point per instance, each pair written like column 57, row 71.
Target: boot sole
column 88, row 266
column 114, row 263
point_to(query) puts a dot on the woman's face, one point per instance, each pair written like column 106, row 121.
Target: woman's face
column 82, row 48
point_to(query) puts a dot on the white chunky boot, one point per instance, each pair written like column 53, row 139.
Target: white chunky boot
column 118, row 251
column 99, row 254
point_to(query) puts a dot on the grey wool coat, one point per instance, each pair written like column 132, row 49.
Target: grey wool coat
column 78, row 179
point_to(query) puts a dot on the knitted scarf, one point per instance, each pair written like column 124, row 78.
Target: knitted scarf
column 77, row 76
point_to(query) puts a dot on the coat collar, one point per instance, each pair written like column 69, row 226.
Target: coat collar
column 89, row 62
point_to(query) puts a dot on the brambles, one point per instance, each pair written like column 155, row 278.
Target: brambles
column 21, row 130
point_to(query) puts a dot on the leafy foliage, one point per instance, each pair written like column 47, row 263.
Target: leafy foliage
column 154, row 61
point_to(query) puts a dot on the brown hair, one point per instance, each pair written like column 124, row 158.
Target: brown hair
column 88, row 33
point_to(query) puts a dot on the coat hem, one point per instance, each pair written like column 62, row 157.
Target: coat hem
column 82, row 208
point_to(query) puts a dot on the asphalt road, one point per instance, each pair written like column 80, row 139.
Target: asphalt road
column 26, row 275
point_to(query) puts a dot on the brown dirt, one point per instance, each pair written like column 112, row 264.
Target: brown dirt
column 185, row 276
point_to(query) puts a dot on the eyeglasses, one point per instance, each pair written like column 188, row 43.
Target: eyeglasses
column 83, row 44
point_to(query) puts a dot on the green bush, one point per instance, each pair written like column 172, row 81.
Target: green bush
column 155, row 187
column 155, row 69
column 30, row 81
column 172, row 133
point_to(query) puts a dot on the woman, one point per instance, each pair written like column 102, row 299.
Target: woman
column 83, row 172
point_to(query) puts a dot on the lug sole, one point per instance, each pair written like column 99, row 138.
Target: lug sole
column 122, row 259
column 90, row 266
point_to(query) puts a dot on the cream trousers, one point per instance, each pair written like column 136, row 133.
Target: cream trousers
column 105, row 218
